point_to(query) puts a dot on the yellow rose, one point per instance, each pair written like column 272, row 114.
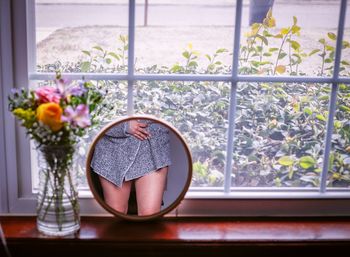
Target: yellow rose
column 50, row 115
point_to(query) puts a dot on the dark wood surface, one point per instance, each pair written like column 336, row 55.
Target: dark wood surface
column 108, row 236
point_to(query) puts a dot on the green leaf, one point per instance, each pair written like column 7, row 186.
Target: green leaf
column 86, row 52
column 273, row 49
column 322, row 41
column 282, row 55
column 323, row 97
column 295, row 45
column 98, row 48
column 345, row 44
column 116, row 56
column 108, row 60
column 307, row 110
column 337, row 124
column 307, row 162
column 331, row 35
column 263, row 39
column 278, row 36
column 330, row 48
column 193, row 64
column 345, row 63
column 209, row 58
column 314, row 51
column 344, row 108
column 85, row 66
column 186, row 54
column 295, row 20
column 320, row 117
column 221, row 50
column 286, row 160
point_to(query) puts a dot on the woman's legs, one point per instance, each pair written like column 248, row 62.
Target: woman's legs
column 149, row 191
column 116, row 197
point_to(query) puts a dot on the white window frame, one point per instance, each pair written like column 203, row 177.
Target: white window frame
column 17, row 51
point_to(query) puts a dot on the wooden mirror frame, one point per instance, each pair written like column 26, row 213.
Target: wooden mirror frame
column 97, row 194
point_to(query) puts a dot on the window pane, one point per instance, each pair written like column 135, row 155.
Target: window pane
column 113, row 106
column 345, row 55
column 81, row 36
column 297, row 38
column 199, row 111
column 184, row 37
column 279, row 134
column 339, row 158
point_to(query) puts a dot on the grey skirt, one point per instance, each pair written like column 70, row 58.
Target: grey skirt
column 119, row 156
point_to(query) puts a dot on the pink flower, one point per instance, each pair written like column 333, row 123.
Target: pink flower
column 78, row 117
column 48, row 94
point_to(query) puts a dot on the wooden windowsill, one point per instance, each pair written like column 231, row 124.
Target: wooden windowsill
column 108, row 236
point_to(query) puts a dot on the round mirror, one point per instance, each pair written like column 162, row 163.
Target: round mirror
column 139, row 167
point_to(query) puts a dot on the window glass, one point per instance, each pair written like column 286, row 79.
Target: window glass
column 339, row 158
column 294, row 38
column 184, row 36
column 279, row 134
column 199, row 110
column 345, row 55
column 81, row 35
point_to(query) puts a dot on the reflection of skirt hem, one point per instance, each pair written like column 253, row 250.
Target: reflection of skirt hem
column 129, row 179
column 105, row 177
column 145, row 173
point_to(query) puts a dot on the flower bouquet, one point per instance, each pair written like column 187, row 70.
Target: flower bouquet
column 55, row 117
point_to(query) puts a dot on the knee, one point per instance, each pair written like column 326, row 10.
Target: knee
column 148, row 211
column 117, row 206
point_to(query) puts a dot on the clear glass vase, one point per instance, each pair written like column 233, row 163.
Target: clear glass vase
column 57, row 202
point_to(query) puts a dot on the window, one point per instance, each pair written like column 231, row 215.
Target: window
column 260, row 116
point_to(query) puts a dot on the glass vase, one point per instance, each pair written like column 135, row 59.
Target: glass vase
column 57, row 202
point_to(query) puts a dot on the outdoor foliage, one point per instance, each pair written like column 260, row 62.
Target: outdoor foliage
column 279, row 127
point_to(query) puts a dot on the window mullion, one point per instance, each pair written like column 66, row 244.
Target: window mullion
column 233, row 93
column 31, row 37
column 333, row 99
column 131, row 57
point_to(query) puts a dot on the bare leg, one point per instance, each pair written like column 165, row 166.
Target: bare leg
column 116, row 197
column 149, row 191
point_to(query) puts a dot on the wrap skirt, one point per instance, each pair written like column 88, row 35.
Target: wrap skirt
column 119, row 156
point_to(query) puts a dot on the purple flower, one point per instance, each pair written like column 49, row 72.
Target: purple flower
column 77, row 90
column 79, row 117
column 62, row 84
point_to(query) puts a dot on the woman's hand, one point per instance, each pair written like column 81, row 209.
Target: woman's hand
column 137, row 129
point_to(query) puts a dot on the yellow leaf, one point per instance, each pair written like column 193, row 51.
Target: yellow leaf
column 269, row 13
column 295, row 29
column 281, row 69
column 196, row 53
column 272, row 22
column 269, row 22
column 190, row 46
column 284, row 31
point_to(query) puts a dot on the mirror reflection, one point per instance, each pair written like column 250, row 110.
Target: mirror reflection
column 140, row 166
